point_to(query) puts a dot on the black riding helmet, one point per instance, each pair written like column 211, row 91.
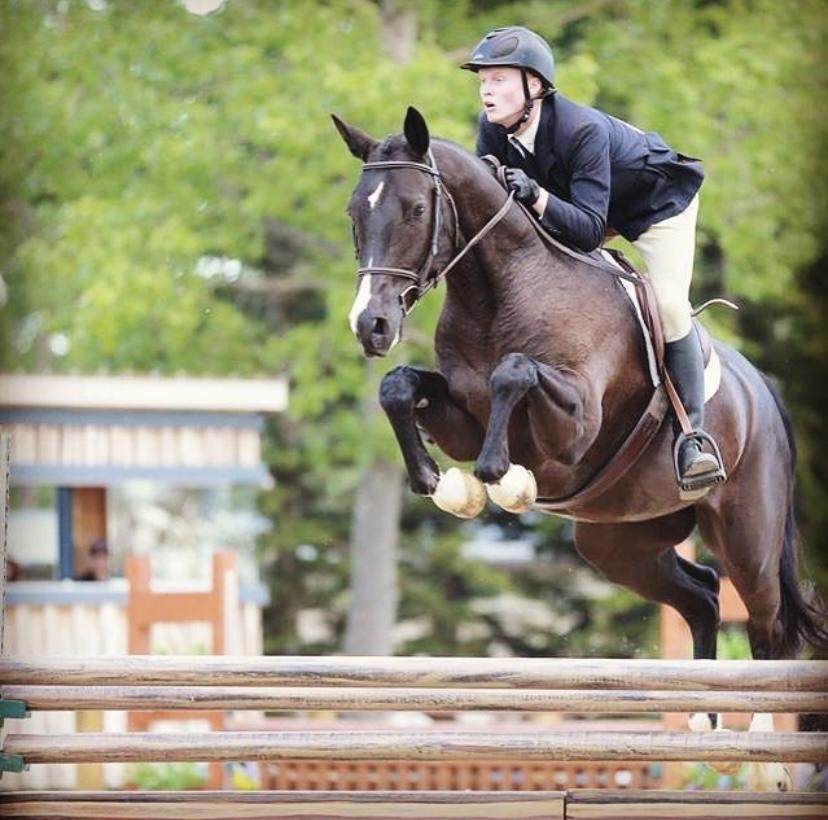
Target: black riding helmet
column 521, row 48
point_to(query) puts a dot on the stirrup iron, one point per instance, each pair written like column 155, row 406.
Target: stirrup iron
column 694, row 487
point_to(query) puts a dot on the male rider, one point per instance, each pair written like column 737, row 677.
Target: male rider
column 585, row 173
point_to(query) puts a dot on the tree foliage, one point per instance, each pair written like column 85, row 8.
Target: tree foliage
column 173, row 195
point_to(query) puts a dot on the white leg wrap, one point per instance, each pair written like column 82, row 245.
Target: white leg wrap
column 700, row 722
column 761, row 777
column 460, row 494
column 767, row 777
column 516, row 491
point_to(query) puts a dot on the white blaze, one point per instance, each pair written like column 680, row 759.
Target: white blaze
column 363, row 297
column 373, row 198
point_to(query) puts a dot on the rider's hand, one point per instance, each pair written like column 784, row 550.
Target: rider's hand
column 526, row 189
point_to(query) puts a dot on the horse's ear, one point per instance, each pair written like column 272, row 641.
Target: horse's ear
column 416, row 131
column 358, row 142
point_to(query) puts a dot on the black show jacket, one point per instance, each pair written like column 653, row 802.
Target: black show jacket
column 600, row 172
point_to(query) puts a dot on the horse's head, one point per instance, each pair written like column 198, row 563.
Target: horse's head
column 396, row 214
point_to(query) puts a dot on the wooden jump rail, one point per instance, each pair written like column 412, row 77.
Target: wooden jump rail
column 426, row 684
column 343, row 698
column 465, row 673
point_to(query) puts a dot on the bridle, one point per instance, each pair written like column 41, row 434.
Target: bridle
column 422, row 281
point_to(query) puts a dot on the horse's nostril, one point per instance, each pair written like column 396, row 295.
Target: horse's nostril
column 379, row 327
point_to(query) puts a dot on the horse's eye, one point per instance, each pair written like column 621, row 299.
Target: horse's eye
column 418, row 210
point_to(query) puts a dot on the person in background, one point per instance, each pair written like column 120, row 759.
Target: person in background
column 12, row 570
column 97, row 562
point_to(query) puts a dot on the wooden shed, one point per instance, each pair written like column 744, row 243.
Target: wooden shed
column 76, row 438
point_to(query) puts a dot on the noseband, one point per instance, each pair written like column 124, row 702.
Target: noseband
column 422, row 282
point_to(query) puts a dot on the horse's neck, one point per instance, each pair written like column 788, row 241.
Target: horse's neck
column 512, row 275
column 477, row 198
column 498, row 262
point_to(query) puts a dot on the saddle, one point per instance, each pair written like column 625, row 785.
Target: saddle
column 664, row 394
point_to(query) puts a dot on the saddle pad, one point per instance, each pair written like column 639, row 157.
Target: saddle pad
column 712, row 370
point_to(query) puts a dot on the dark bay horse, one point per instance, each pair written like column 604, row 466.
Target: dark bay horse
column 540, row 363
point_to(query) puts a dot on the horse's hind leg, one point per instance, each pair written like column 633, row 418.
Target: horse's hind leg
column 703, row 574
column 642, row 557
column 748, row 537
column 748, row 524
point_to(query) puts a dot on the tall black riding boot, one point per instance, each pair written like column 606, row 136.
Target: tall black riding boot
column 698, row 470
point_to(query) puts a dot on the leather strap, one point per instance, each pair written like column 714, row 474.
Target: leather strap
column 621, row 462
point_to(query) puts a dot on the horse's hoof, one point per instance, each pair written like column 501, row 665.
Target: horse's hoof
column 516, row 491
column 460, row 494
column 700, row 722
column 769, row 777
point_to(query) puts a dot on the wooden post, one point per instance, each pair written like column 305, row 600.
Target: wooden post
column 5, row 459
column 218, row 606
column 88, row 525
column 677, row 643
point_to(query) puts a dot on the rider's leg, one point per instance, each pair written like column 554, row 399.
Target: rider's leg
column 685, row 364
column 668, row 249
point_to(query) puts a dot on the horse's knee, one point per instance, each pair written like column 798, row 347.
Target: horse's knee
column 515, row 373
column 398, row 390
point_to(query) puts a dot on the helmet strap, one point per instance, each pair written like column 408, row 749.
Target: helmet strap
column 528, row 104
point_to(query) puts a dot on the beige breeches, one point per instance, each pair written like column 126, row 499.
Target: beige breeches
column 667, row 248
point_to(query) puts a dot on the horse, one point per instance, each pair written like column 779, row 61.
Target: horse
column 541, row 375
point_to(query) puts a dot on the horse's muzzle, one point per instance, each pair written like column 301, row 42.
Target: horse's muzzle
column 375, row 334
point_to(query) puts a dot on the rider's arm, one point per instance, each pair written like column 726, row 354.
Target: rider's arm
column 581, row 221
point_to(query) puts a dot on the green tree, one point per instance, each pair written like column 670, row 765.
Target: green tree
column 173, row 195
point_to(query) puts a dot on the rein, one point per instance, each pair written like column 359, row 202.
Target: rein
column 422, row 282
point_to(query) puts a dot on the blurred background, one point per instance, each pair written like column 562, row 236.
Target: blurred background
column 173, row 198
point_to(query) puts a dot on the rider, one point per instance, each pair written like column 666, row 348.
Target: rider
column 585, row 173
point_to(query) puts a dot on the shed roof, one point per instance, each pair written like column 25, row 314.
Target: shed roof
column 129, row 392
column 101, row 430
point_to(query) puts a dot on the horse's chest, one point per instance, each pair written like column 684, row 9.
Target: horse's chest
column 469, row 387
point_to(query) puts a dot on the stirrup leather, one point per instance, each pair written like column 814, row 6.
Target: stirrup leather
column 704, row 481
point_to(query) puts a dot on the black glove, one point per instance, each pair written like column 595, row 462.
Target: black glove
column 526, row 189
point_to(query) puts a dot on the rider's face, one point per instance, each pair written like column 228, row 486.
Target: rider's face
column 501, row 91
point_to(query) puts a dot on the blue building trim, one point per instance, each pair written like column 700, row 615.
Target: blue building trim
column 66, row 560
column 62, row 475
column 69, row 592
column 131, row 418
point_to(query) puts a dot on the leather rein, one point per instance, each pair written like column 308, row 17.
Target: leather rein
column 421, row 278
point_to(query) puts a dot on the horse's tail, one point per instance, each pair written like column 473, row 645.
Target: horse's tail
column 802, row 620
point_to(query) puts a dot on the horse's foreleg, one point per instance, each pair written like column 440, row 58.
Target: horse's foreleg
column 514, row 377
column 409, row 397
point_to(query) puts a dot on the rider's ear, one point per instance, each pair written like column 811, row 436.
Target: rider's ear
column 358, row 142
column 416, row 131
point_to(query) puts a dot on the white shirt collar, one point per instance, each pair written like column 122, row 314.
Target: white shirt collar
column 527, row 138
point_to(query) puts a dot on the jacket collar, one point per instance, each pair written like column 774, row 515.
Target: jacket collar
column 528, row 138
